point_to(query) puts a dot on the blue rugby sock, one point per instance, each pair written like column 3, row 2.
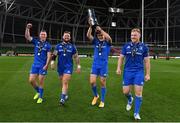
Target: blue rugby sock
column 129, row 95
column 62, row 96
column 138, row 102
column 103, row 93
column 94, row 89
column 41, row 90
column 37, row 89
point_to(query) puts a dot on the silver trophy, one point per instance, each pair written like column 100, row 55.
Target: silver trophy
column 92, row 17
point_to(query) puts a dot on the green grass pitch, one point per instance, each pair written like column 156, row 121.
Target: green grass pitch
column 161, row 96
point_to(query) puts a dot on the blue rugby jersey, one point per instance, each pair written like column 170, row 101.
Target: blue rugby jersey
column 40, row 52
column 101, row 52
column 65, row 54
column 134, row 54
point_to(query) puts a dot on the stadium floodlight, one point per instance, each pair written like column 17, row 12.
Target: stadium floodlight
column 113, row 24
column 115, row 10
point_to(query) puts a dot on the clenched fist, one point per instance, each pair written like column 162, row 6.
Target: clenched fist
column 29, row 25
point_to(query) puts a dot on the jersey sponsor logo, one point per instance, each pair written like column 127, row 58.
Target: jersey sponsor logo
column 60, row 50
column 101, row 47
column 44, row 48
column 138, row 53
column 69, row 51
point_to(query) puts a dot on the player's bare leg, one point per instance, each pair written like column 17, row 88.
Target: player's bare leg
column 65, row 80
column 127, row 93
column 33, row 82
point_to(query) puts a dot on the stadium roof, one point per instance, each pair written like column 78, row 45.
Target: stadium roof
column 101, row 6
column 59, row 15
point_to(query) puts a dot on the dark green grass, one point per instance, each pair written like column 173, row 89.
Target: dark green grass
column 161, row 97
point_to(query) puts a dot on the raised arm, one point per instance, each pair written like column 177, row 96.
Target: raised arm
column 27, row 32
column 106, row 35
column 89, row 32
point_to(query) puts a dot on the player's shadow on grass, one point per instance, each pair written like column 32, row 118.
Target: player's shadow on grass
column 129, row 115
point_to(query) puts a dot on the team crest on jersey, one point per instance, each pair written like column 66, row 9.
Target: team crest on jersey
column 141, row 48
column 128, row 47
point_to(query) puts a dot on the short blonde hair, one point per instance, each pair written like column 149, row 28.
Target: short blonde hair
column 136, row 30
column 67, row 32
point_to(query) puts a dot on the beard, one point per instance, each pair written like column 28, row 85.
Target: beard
column 67, row 40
